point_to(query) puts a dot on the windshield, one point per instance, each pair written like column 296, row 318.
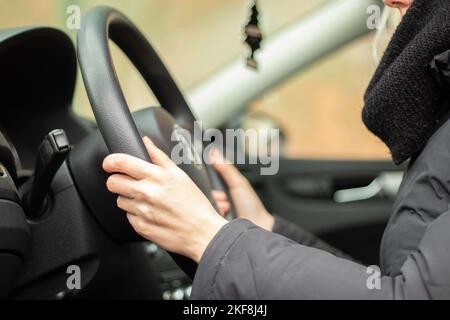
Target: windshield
column 195, row 38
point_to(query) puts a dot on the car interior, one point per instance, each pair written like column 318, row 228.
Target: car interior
column 55, row 211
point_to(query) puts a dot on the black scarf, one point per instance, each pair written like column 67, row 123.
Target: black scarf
column 404, row 101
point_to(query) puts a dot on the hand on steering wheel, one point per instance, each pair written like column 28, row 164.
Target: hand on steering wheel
column 246, row 202
column 162, row 203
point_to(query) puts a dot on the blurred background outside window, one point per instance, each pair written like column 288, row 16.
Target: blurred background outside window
column 318, row 109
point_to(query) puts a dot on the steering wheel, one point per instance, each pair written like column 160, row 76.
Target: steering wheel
column 115, row 122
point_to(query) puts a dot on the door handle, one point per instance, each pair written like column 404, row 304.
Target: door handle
column 386, row 184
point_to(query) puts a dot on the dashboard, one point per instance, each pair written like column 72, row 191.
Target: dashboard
column 37, row 83
column 174, row 283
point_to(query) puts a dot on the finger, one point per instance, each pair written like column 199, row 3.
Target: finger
column 145, row 229
column 229, row 172
column 127, row 205
column 132, row 218
column 139, row 208
column 219, row 195
column 131, row 166
column 124, row 185
column 224, row 207
column 157, row 155
column 137, row 223
column 217, row 157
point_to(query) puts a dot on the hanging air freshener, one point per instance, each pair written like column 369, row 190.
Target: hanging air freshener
column 253, row 35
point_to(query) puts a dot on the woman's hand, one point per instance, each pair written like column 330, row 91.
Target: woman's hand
column 246, row 201
column 162, row 203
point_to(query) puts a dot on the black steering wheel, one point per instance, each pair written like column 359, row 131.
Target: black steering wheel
column 117, row 125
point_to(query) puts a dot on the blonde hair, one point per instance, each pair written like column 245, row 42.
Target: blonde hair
column 389, row 21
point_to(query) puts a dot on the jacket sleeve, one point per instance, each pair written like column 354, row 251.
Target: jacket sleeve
column 295, row 233
column 246, row 262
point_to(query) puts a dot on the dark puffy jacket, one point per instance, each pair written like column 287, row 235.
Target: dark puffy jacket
column 246, row 262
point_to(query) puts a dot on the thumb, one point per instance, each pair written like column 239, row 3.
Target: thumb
column 158, row 156
column 227, row 171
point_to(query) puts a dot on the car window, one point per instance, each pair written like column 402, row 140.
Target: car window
column 195, row 38
column 319, row 109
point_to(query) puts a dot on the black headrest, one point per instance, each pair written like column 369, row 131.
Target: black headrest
column 37, row 59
